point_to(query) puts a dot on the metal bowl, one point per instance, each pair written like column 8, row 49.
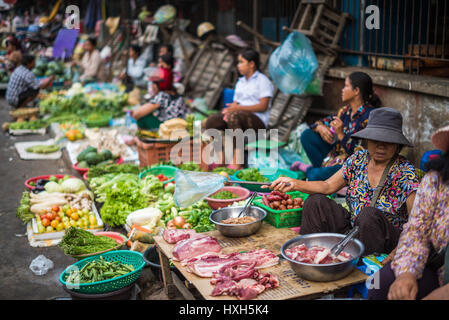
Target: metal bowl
column 324, row 272
column 237, row 230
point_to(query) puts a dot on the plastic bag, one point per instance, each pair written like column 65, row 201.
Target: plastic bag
column 294, row 143
column 193, row 186
column 293, row 64
column 41, row 265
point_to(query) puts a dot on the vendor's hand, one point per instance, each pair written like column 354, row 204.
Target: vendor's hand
column 405, row 287
column 389, row 257
column 337, row 124
column 280, row 184
column 325, row 133
column 231, row 107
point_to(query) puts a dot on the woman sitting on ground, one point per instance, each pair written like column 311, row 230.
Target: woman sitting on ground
column 164, row 105
column 327, row 150
column 417, row 270
column 252, row 101
column 379, row 215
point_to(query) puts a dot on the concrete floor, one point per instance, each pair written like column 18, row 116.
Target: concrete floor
column 16, row 279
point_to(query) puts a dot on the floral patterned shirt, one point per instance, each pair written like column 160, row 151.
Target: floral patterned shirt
column 401, row 181
column 351, row 125
column 428, row 223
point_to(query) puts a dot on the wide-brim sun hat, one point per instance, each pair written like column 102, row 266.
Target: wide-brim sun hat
column 385, row 125
column 440, row 139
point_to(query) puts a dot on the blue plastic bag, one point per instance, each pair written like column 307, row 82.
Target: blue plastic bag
column 293, row 64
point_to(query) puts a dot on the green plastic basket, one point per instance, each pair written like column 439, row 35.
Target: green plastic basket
column 167, row 171
column 289, row 218
column 124, row 256
column 271, row 177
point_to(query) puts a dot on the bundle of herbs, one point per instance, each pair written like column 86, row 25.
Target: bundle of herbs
column 78, row 241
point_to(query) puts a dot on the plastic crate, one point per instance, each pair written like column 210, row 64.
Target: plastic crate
column 283, row 218
column 154, row 152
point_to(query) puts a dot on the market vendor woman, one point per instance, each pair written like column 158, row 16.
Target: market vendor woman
column 164, row 105
column 252, row 100
column 378, row 172
column 328, row 142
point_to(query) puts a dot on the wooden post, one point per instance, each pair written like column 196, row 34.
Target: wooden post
column 169, row 286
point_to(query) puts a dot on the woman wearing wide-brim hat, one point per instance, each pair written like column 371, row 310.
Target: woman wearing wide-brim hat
column 420, row 267
column 381, row 188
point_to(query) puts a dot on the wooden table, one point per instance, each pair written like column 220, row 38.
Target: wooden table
column 268, row 237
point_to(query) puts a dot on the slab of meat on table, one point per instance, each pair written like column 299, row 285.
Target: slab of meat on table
column 315, row 255
column 190, row 248
column 176, row 235
column 205, row 266
column 242, row 280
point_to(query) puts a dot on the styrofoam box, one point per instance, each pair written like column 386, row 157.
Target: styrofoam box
column 60, row 234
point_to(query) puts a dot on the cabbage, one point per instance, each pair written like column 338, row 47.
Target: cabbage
column 53, row 187
column 149, row 216
column 73, row 185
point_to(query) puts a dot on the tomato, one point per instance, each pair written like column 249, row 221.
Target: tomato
column 75, row 216
column 51, row 216
column 72, row 223
column 187, row 226
column 54, row 223
column 49, row 229
column 68, row 212
column 58, row 218
column 55, row 208
column 60, row 227
column 45, row 222
column 179, row 221
column 61, row 214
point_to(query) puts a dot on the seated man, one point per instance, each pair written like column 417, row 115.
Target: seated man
column 23, row 86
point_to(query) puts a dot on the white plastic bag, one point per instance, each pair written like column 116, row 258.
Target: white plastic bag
column 41, row 265
column 193, row 186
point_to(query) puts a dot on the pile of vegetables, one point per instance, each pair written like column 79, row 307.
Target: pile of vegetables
column 281, row 201
column 189, row 166
column 224, row 195
column 228, row 171
column 39, row 185
column 99, row 171
column 46, row 69
column 252, row 174
column 194, row 217
column 43, row 149
column 83, row 104
column 28, row 125
column 99, row 270
column 78, row 241
column 91, row 157
column 23, row 212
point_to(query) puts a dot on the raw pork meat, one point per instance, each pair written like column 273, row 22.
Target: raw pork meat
column 190, row 248
column 241, row 279
column 315, row 255
column 176, row 235
column 206, row 265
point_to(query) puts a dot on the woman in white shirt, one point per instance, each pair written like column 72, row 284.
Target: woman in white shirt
column 136, row 66
column 252, row 102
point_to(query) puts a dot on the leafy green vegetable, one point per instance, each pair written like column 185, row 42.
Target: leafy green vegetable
column 23, row 211
column 78, row 241
column 224, row 195
column 189, row 166
column 28, row 125
column 224, row 169
column 99, row 171
column 252, row 174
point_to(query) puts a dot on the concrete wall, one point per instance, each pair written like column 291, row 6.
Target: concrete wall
column 424, row 107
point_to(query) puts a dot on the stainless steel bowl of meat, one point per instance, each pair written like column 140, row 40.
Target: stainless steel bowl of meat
column 309, row 256
column 225, row 219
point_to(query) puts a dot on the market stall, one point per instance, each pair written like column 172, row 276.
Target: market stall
column 268, row 237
